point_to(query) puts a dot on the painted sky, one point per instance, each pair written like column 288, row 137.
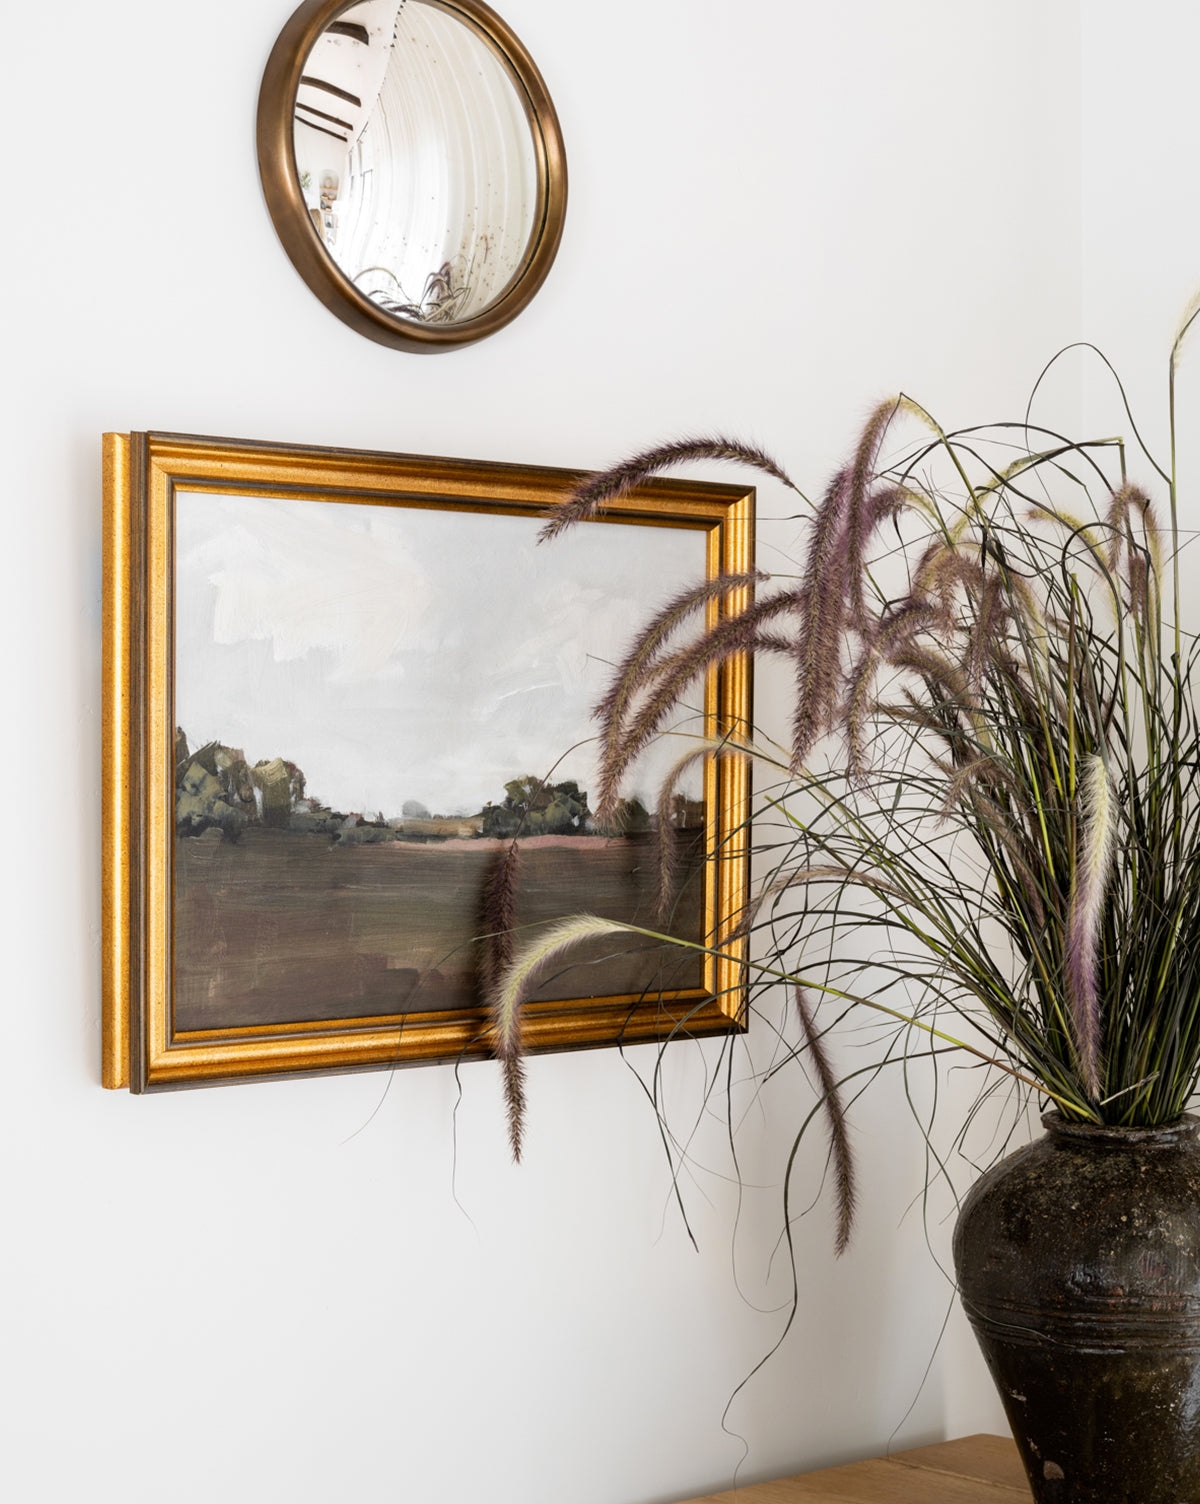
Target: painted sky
column 400, row 653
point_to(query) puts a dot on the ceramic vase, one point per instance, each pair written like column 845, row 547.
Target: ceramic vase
column 1078, row 1261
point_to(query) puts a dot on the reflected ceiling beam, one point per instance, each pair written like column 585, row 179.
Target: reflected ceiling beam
column 319, row 83
column 350, row 29
column 321, row 115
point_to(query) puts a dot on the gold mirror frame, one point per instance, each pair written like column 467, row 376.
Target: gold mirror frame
column 285, row 201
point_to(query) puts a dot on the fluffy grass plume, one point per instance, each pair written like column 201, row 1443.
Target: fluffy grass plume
column 1093, row 864
column 835, row 1116
column 507, row 999
column 606, row 489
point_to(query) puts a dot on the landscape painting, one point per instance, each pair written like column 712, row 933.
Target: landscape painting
column 370, row 701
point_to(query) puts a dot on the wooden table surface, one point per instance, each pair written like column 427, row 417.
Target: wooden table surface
column 974, row 1470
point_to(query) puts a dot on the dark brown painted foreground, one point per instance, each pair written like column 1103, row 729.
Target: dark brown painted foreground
column 280, row 926
column 1078, row 1263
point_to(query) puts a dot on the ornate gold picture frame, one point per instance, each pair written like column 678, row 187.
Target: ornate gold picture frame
column 336, row 685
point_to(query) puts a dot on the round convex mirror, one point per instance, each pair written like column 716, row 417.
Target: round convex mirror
column 413, row 166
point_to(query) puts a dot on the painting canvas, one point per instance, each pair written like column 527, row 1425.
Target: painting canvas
column 371, row 703
column 366, row 693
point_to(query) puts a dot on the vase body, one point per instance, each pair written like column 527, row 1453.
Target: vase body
column 1078, row 1261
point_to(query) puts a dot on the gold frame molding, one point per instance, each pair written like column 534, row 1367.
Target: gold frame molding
column 141, row 1050
column 281, row 182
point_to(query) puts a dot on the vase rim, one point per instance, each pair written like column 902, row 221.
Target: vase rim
column 1165, row 1134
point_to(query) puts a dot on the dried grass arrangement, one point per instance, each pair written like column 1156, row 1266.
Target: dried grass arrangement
column 991, row 780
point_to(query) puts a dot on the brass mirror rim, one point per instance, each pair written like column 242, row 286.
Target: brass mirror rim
column 285, row 201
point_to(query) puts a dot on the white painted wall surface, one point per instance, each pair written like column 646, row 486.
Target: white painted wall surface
column 1141, row 262
column 340, row 1289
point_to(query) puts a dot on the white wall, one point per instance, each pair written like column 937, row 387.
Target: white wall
column 1141, row 266
column 339, row 1288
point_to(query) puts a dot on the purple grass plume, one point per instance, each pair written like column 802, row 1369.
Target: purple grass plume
column 991, row 616
column 608, row 486
column 835, row 1118
column 636, row 669
column 1125, row 499
column 822, row 600
column 894, row 635
column 664, row 683
column 1139, row 586
column 666, row 845
column 666, row 840
column 943, row 570
column 832, row 594
column 867, row 508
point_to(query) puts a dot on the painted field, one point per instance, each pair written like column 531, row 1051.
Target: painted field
column 281, row 926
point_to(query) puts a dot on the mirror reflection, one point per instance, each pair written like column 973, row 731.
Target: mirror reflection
column 416, row 160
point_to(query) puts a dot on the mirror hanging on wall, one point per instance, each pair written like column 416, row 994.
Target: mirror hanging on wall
column 413, row 165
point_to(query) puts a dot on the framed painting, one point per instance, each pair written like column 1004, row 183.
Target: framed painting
column 337, row 685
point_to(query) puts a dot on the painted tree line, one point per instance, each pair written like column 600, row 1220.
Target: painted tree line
column 217, row 789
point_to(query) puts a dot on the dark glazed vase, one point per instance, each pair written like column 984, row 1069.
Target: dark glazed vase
column 1078, row 1264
